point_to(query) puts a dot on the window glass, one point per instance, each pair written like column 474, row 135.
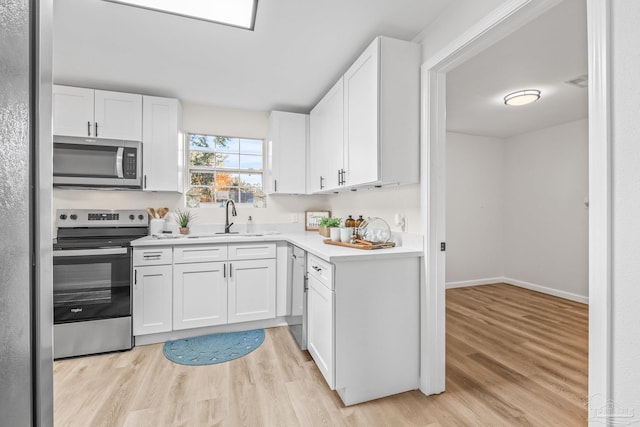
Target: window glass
column 222, row 168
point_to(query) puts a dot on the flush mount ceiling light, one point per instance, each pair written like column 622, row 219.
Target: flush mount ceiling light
column 236, row 13
column 522, row 97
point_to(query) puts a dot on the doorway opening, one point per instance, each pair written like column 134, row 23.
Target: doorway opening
column 434, row 76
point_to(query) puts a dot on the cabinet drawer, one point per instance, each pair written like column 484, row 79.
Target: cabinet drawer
column 242, row 251
column 320, row 269
column 185, row 254
column 152, row 256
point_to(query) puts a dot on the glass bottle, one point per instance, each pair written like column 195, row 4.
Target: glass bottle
column 350, row 222
column 359, row 223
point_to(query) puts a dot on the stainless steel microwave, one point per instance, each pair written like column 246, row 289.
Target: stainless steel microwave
column 97, row 163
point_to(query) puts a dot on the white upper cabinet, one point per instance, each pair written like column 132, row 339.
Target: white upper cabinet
column 326, row 141
column 96, row 113
column 73, row 111
column 288, row 139
column 162, row 139
column 118, row 115
column 381, row 115
column 366, row 130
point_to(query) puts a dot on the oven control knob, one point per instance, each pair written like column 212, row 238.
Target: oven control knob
column 73, row 217
column 63, row 217
column 140, row 217
column 132, row 217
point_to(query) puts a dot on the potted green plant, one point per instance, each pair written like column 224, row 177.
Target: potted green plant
column 326, row 223
column 183, row 219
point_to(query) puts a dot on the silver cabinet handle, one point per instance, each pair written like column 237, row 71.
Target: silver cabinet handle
column 230, row 270
column 96, row 129
column 149, row 257
column 321, row 182
column 275, row 185
column 224, row 270
column 88, row 128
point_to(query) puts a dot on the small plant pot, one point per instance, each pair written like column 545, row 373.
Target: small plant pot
column 184, row 230
column 324, row 231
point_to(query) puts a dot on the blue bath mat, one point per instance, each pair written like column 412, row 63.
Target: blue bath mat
column 211, row 349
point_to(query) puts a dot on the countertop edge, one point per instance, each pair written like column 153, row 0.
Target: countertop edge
column 310, row 242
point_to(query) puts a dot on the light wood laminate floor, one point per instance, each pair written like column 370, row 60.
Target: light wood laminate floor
column 514, row 357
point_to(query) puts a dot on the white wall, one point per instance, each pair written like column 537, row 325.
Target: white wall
column 625, row 289
column 455, row 20
column 515, row 210
column 545, row 219
column 381, row 202
column 475, row 190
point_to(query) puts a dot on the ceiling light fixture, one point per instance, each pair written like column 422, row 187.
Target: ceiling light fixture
column 522, row 97
column 235, row 13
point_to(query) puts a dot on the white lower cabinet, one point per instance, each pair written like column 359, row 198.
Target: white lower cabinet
column 199, row 295
column 363, row 325
column 252, row 290
column 152, row 293
column 320, row 335
column 196, row 286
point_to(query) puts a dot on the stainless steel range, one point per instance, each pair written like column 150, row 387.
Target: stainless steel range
column 92, row 279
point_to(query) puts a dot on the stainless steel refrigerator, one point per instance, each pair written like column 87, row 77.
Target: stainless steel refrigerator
column 26, row 321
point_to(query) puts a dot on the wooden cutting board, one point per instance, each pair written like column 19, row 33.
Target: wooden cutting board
column 366, row 246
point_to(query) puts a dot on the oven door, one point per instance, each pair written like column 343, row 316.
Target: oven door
column 91, row 284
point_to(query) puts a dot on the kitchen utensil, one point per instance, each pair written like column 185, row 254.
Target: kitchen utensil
column 162, row 212
column 152, row 212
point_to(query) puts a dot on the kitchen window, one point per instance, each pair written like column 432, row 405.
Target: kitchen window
column 223, row 167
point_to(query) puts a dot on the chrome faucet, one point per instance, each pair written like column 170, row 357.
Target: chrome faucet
column 227, row 226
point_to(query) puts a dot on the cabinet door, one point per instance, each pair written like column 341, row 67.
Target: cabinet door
column 152, row 299
column 72, row 111
column 118, row 115
column 320, row 332
column 361, row 118
column 163, row 150
column 315, row 180
column 252, row 290
column 199, row 295
column 326, row 144
column 288, row 133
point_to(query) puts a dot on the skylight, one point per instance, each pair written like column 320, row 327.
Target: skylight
column 236, row 13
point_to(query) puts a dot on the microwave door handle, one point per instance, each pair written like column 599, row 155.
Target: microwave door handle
column 119, row 160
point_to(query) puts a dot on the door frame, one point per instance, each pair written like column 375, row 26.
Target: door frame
column 510, row 16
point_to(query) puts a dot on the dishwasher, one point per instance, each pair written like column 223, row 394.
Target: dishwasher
column 297, row 295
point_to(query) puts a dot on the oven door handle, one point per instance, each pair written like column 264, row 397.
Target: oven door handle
column 119, row 162
column 90, row 252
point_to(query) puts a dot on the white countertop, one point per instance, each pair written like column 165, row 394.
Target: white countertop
column 407, row 245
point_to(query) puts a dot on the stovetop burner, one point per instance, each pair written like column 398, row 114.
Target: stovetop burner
column 95, row 228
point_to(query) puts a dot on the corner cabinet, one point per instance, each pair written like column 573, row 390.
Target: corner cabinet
column 287, row 152
column 94, row 113
column 326, row 141
column 368, row 124
column 381, row 115
column 163, row 144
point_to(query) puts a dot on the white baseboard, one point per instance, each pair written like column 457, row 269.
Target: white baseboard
column 555, row 292
column 522, row 284
column 477, row 282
